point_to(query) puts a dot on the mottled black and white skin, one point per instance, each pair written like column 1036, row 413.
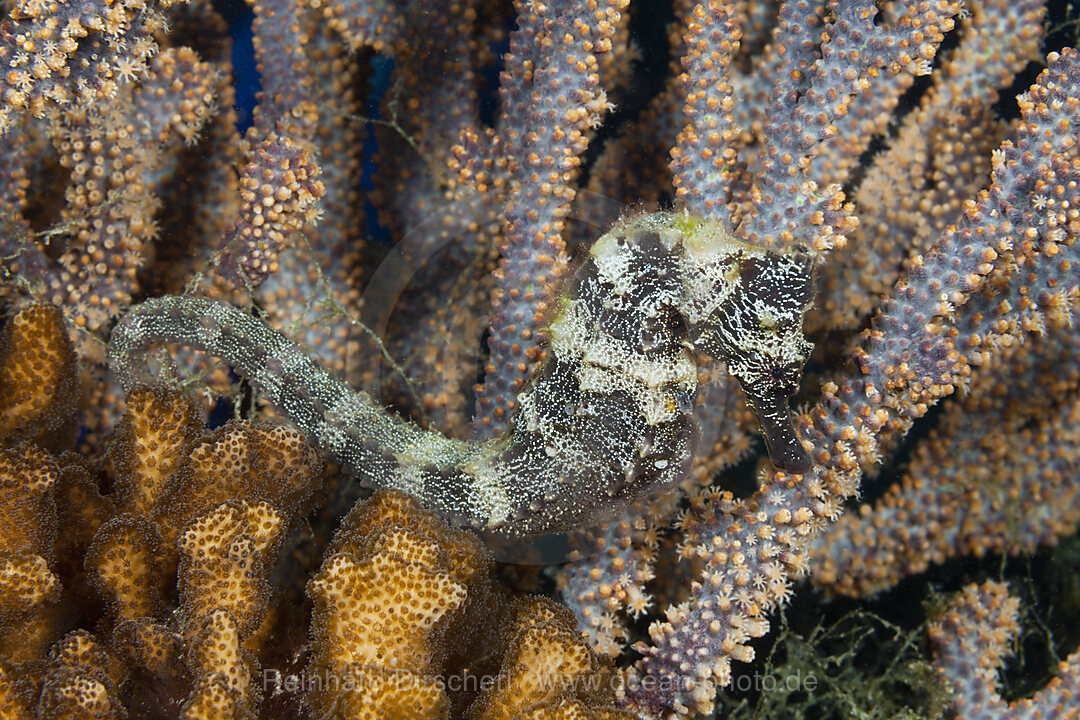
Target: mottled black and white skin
column 606, row 419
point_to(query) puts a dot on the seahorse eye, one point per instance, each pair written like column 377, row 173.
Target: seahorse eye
column 782, row 377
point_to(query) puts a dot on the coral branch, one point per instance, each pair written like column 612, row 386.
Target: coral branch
column 152, row 568
column 972, row 639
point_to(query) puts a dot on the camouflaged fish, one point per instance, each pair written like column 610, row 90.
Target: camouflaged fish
column 606, row 419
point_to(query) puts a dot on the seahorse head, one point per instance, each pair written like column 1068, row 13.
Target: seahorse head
column 756, row 329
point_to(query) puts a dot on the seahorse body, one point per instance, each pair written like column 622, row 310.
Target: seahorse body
column 607, row 418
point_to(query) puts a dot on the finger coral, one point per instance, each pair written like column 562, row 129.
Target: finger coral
column 39, row 392
column 397, row 602
column 29, row 589
column 180, row 552
column 548, row 670
column 384, row 599
column 82, row 681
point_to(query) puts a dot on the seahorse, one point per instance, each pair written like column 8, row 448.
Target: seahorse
column 607, row 418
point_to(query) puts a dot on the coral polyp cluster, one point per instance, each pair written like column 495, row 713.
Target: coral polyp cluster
column 534, row 265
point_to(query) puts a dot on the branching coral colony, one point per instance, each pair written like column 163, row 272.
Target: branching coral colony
column 177, row 585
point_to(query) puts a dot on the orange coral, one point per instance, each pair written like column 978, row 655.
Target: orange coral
column 226, row 553
column 148, row 445
column 27, row 477
column 28, row 588
column 406, row 624
column 38, row 386
column 195, row 522
column 169, row 471
column 249, row 461
column 149, row 645
column 126, row 561
column 548, row 671
column 16, row 696
column 382, row 601
column 402, row 601
column 26, row 584
column 82, row 681
column 223, row 669
column 209, row 512
column 223, row 583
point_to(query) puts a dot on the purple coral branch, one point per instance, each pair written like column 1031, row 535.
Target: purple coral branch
column 909, row 360
column 972, row 639
column 704, row 156
column 786, row 206
column 551, row 100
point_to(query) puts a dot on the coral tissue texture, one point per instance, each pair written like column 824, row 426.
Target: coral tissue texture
column 760, row 307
